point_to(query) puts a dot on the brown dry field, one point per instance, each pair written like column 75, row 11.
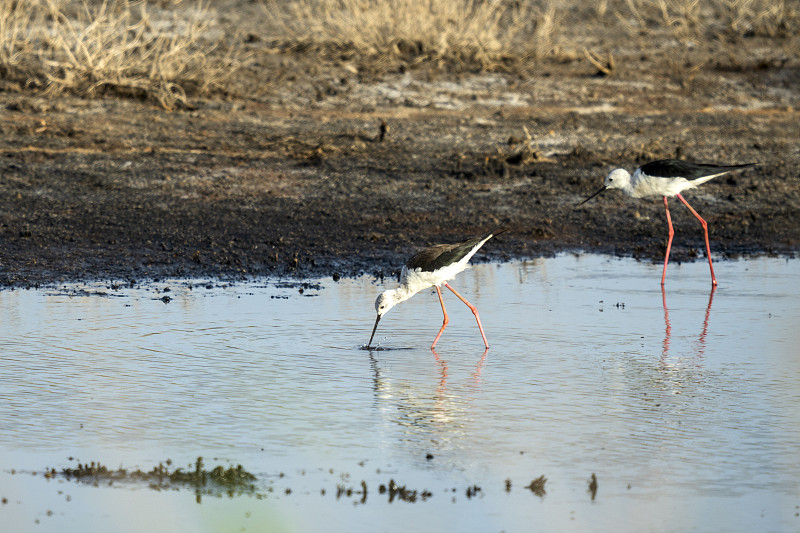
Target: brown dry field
column 286, row 174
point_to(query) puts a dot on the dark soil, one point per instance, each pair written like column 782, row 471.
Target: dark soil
column 325, row 173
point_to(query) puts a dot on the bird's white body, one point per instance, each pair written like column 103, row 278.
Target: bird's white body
column 641, row 185
column 416, row 279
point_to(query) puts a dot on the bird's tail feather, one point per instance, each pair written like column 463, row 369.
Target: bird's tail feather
column 722, row 170
column 501, row 228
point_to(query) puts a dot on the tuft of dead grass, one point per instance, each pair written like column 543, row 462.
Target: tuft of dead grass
column 684, row 18
column 466, row 34
column 765, row 18
column 696, row 19
column 118, row 45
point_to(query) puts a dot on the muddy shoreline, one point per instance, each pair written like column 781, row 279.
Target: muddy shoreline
column 353, row 182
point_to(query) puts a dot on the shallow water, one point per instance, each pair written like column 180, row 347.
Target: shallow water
column 686, row 404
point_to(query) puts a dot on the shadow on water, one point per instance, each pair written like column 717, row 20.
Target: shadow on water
column 593, row 377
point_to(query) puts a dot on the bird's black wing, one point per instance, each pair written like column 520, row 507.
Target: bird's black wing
column 441, row 255
column 675, row 168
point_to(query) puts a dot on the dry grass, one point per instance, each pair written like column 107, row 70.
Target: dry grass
column 700, row 19
column 170, row 50
column 466, row 34
column 766, row 18
column 118, row 45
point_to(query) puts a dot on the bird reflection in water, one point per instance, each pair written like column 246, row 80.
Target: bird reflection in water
column 442, row 387
column 701, row 340
column 476, row 375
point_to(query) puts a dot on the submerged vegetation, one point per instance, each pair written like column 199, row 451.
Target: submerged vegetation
column 164, row 476
column 236, row 481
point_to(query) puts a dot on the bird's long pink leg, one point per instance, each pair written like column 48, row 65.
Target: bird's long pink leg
column 474, row 312
column 705, row 231
column 669, row 241
column 444, row 322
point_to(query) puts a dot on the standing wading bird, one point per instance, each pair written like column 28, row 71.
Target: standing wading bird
column 668, row 177
column 432, row 267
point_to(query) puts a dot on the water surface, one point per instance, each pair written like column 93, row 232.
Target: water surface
column 684, row 404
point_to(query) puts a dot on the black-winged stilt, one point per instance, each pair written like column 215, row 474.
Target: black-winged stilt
column 433, row 267
column 667, row 178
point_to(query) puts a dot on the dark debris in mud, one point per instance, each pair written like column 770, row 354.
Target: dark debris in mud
column 228, row 192
column 309, row 169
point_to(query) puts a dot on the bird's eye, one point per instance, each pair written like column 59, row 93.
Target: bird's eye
column 610, row 179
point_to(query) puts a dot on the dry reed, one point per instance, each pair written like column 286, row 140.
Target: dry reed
column 470, row 34
column 698, row 19
column 117, row 45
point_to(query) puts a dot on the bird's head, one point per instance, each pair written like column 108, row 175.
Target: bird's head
column 619, row 178
column 385, row 301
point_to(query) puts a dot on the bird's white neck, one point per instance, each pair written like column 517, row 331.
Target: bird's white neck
column 404, row 292
column 400, row 294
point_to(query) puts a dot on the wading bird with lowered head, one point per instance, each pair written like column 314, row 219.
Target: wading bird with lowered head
column 433, row 267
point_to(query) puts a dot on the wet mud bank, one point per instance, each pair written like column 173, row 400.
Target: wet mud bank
column 121, row 190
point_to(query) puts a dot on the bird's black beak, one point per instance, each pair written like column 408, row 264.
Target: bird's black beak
column 592, row 196
column 373, row 331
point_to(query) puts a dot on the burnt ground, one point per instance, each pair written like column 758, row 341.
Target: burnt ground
column 293, row 177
